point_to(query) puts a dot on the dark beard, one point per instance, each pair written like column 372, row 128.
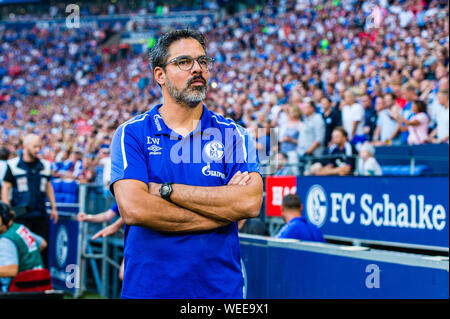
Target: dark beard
column 189, row 96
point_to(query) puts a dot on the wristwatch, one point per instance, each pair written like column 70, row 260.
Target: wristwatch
column 166, row 190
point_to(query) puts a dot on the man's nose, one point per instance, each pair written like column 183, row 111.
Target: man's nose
column 196, row 67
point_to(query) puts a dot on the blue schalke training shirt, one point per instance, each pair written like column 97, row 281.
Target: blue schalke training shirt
column 190, row 265
column 300, row 228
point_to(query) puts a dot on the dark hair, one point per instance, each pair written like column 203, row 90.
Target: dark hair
column 342, row 130
column 421, row 106
column 160, row 51
column 6, row 213
column 443, row 91
column 327, row 98
column 409, row 87
column 391, row 94
column 291, row 201
column 284, row 155
column 4, row 153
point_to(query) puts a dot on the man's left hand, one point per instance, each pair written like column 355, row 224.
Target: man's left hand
column 54, row 215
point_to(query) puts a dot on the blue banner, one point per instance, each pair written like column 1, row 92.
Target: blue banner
column 289, row 269
column 63, row 253
column 403, row 210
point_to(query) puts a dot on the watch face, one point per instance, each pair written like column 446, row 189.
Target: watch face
column 164, row 190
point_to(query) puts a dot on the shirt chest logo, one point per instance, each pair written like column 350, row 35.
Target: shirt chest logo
column 154, row 147
column 214, row 150
column 206, row 170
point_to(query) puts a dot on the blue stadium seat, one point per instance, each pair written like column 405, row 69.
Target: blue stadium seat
column 69, row 187
column 435, row 156
column 70, row 198
column 393, row 155
column 428, row 159
column 405, row 170
column 59, row 197
column 57, row 184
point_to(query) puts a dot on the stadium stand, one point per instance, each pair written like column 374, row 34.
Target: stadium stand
column 73, row 87
column 63, row 82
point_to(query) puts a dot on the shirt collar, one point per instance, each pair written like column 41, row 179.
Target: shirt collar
column 160, row 128
column 22, row 164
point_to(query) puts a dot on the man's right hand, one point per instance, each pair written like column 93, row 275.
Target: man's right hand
column 81, row 217
column 107, row 231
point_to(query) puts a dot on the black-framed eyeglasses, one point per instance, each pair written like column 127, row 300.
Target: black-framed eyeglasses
column 185, row 63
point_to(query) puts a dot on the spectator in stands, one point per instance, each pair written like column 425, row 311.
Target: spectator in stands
column 312, row 132
column 353, row 118
column 331, row 116
column 297, row 226
column 289, row 133
column 61, row 164
column 340, row 156
column 367, row 164
column 417, row 124
column 19, row 248
column 282, row 167
column 441, row 132
column 262, row 143
column 433, row 105
column 252, row 226
column 40, row 94
column 409, row 95
column 370, row 116
column 74, row 164
column 387, row 131
column 102, row 164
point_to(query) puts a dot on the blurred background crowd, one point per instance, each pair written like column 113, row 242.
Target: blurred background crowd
column 378, row 69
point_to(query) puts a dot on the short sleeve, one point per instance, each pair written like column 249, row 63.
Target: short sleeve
column 359, row 113
column 9, row 253
column 9, row 177
column 379, row 117
column 320, row 129
column 423, row 118
column 243, row 153
column 115, row 209
column 128, row 159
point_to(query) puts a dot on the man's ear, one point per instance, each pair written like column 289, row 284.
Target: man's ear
column 160, row 75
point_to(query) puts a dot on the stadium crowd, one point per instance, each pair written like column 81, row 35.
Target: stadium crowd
column 378, row 70
column 57, row 9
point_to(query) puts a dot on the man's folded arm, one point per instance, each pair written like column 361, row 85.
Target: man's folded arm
column 140, row 208
column 228, row 203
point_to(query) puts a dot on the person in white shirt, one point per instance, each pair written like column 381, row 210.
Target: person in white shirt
column 417, row 124
column 353, row 119
column 367, row 164
column 387, row 131
column 441, row 132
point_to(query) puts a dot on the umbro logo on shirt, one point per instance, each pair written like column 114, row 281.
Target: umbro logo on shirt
column 154, row 149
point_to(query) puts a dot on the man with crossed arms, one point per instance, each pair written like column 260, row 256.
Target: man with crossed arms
column 181, row 211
